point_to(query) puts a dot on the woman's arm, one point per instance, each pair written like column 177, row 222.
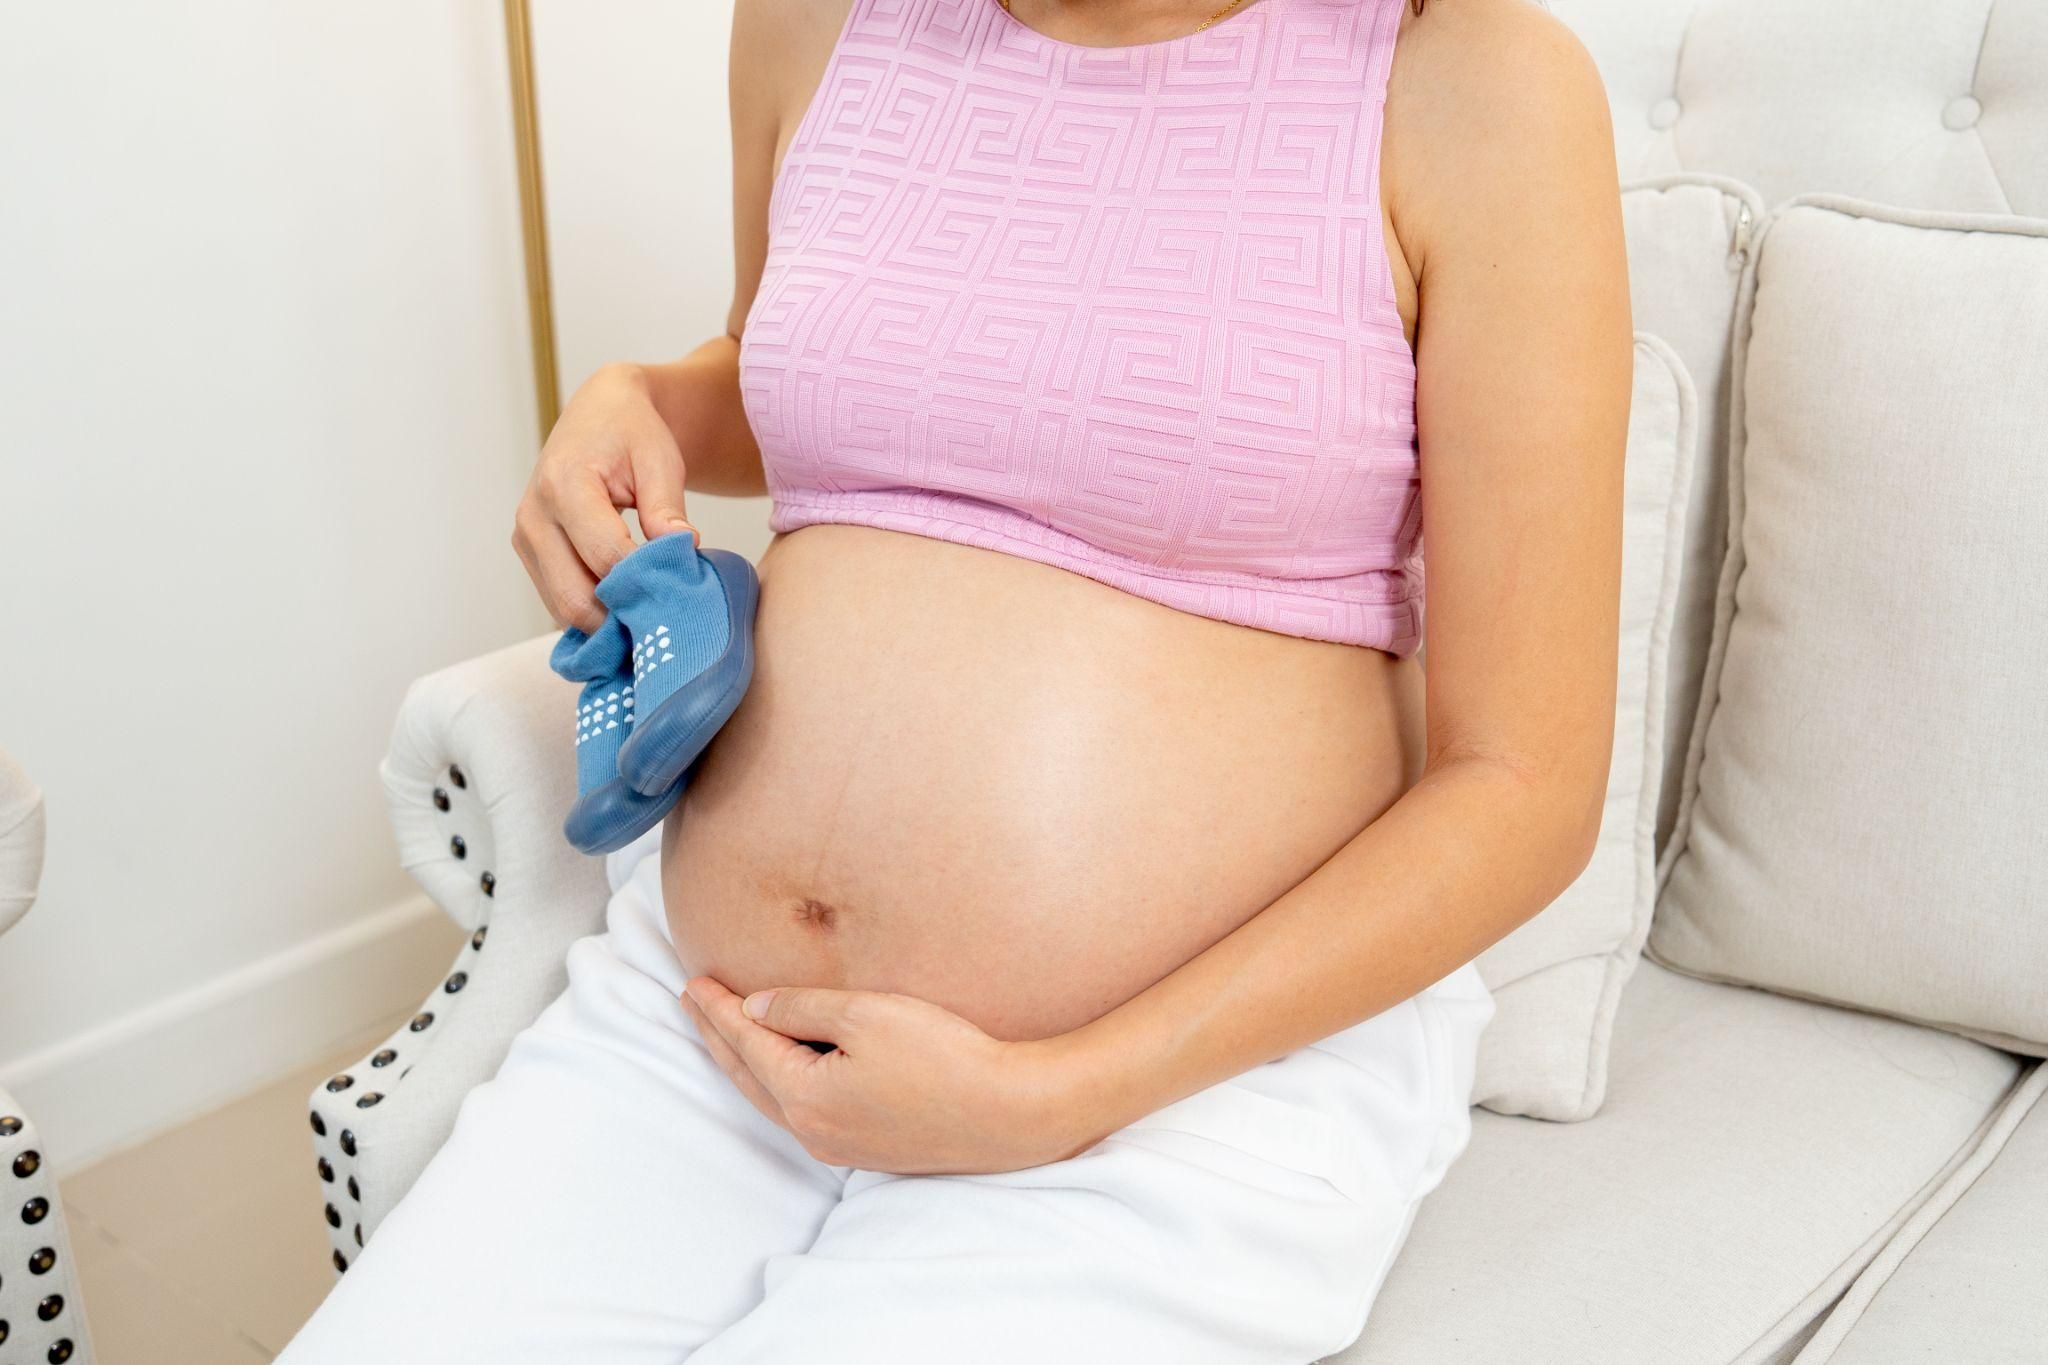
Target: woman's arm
column 637, row 435
column 1509, row 211
column 779, row 50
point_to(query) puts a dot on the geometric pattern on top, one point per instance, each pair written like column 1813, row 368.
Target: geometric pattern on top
column 1123, row 310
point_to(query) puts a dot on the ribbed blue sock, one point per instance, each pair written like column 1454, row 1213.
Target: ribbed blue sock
column 607, row 814
column 604, row 709
column 689, row 617
column 673, row 609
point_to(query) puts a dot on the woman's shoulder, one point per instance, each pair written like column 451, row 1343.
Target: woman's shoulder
column 1489, row 48
column 1490, row 64
column 1490, row 104
column 778, row 36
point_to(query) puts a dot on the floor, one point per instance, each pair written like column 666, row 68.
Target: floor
column 204, row 1246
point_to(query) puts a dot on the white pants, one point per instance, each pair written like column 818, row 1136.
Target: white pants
column 610, row 1198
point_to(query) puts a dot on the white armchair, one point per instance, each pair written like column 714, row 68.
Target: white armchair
column 42, row 1316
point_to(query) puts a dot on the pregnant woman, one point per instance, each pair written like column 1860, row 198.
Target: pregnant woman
column 1064, row 953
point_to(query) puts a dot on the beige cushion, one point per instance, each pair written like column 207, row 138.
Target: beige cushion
column 1689, row 239
column 1752, row 1157
column 1965, row 1279
column 1556, row 978
column 1863, row 815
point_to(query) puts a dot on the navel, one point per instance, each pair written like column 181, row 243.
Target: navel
column 815, row 912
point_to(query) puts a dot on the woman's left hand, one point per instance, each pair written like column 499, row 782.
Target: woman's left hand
column 911, row 1088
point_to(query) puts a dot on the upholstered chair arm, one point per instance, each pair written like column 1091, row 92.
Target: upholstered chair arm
column 21, row 842
column 480, row 774
column 39, row 1292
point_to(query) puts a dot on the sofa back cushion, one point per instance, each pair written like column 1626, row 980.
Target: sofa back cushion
column 1865, row 792
column 1935, row 104
column 1689, row 240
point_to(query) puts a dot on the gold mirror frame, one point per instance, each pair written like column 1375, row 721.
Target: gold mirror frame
column 533, row 220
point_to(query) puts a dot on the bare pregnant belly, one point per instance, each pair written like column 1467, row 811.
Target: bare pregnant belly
column 1011, row 790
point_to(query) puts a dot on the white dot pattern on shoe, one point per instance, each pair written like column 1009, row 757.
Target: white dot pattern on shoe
column 599, row 714
column 656, row 648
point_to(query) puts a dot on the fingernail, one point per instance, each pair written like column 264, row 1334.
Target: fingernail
column 757, row 1004
column 690, row 989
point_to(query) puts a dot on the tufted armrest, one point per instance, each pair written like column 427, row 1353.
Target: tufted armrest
column 39, row 1289
column 21, row 842
column 479, row 777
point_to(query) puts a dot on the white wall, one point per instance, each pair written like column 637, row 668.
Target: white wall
column 265, row 408
column 637, row 145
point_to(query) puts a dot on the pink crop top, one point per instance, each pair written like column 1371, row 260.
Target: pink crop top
column 1122, row 310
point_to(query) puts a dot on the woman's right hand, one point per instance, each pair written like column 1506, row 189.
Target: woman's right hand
column 609, row 450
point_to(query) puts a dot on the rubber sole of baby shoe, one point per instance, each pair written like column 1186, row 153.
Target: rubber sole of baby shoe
column 667, row 739
column 607, row 818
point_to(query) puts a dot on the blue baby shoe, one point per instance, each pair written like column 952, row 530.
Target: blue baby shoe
column 608, row 814
column 688, row 616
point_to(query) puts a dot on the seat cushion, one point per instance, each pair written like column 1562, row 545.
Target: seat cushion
column 1964, row 1279
column 1860, row 820
column 1754, row 1154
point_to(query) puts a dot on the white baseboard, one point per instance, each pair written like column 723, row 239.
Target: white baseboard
column 132, row 1077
